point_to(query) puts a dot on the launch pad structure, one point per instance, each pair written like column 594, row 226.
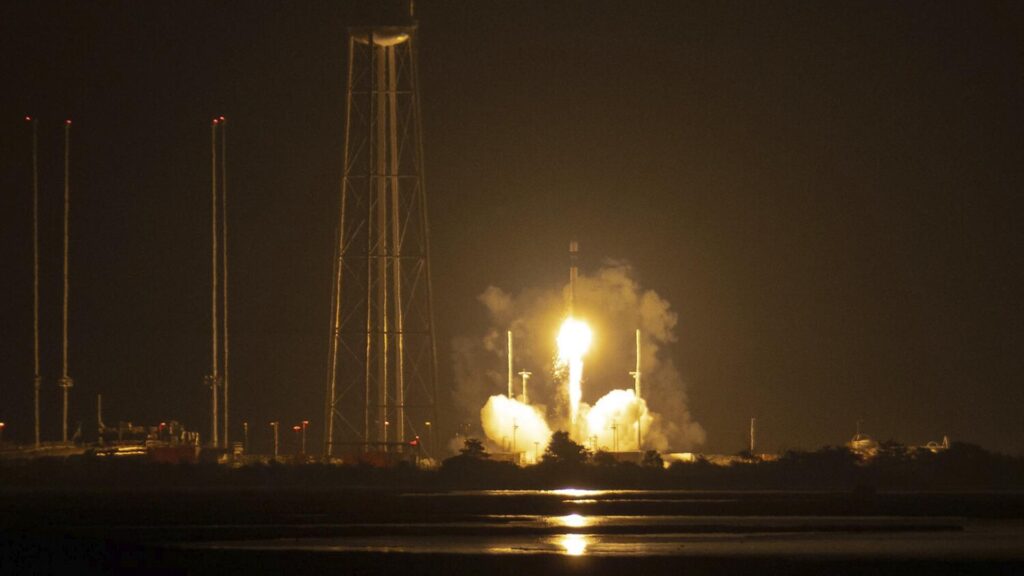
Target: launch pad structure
column 381, row 387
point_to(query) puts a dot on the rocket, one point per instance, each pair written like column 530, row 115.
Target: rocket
column 574, row 249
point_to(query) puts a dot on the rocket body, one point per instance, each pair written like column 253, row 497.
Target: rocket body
column 574, row 249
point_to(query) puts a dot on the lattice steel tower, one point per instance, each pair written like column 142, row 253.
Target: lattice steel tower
column 382, row 382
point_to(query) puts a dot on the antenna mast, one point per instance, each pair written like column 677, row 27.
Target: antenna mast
column 214, row 378
column 65, row 383
column 636, row 391
column 37, row 380
column 224, row 255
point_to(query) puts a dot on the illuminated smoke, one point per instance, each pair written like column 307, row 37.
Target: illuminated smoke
column 573, row 342
column 511, row 424
column 612, row 421
column 614, row 305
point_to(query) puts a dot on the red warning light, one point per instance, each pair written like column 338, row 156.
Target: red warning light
column 28, row 118
column 221, row 119
column 68, row 122
column 297, row 428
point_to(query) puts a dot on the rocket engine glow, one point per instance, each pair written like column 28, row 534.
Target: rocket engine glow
column 618, row 418
column 574, row 340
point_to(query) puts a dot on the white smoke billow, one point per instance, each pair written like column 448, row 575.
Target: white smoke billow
column 612, row 421
column 613, row 305
column 514, row 426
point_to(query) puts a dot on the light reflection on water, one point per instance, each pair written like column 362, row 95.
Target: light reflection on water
column 573, row 544
column 591, row 496
column 578, row 493
column 727, row 536
column 570, row 521
column 564, row 531
column 999, row 543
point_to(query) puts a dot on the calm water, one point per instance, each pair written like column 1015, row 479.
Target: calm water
column 605, row 523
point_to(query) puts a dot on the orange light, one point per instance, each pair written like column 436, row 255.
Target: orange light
column 297, row 428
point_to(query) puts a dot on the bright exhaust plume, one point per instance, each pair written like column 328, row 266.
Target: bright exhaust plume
column 574, row 340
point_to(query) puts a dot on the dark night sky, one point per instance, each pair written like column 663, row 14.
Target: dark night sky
column 828, row 193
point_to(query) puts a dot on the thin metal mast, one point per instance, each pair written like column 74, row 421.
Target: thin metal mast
column 753, row 435
column 65, row 383
column 214, row 378
column 636, row 391
column 396, row 243
column 369, row 261
column 330, row 402
column 383, row 325
column 37, row 379
column 332, row 361
column 424, row 219
column 224, row 256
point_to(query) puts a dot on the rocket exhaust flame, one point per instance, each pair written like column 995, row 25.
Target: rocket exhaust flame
column 573, row 342
column 618, row 420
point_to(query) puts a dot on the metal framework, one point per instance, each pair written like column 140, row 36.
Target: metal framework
column 382, row 382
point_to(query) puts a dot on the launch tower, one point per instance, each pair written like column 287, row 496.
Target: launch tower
column 381, row 384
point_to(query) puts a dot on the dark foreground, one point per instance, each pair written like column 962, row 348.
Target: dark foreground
column 367, row 531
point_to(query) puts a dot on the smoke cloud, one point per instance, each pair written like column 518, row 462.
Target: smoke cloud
column 514, row 426
column 614, row 305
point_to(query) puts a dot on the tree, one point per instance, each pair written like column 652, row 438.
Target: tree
column 473, row 449
column 474, row 466
column 562, row 450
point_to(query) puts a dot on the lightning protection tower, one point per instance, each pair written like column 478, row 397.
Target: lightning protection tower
column 381, row 384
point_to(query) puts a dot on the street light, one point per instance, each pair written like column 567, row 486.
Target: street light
column 430, row 438
column 526, row 377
